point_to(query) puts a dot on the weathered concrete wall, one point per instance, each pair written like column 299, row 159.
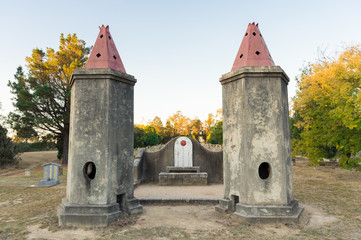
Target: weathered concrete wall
column 256, row 130
column 101, row 132
column 139, row 167
column 209, row 162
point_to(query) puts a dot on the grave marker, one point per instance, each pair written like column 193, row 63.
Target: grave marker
column 183, row 152
column 50, row 175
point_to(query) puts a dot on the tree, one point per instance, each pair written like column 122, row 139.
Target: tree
column 216, row 136
column 208, row 125
column 196, row 128
column 151, row 137
column 139, row 137
column 295, row 131
column 168, row 132
column 8, row 150
column 145, row 136
column 42, row 96
column 329, row 106
column 179, row 124
column 158, row 126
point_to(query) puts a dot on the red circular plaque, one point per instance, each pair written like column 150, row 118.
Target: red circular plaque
column 183, row 143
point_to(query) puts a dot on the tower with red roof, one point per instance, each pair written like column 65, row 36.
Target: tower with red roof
column 100, row 169
column 257, row 164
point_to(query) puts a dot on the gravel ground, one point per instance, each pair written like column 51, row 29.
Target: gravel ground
column 150, row 190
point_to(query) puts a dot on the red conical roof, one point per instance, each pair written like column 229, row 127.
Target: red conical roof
column 253, row 50
column 104, row 53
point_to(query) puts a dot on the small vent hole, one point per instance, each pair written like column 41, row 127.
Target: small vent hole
column 246, row 34
column 241, row 56
column 257, row 53
column 98, row 55
column 115, row 57
column 89, row 170
column 264, row 170
column 109, row 37
column 254, row 33
column 101, row 36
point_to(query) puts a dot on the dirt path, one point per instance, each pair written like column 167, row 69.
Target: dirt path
column 192, row 220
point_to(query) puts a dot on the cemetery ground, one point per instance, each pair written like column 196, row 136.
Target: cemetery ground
column 331, row 197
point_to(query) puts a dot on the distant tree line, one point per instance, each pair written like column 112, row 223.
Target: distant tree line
column 155, row 132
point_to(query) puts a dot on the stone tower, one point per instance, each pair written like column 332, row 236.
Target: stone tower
column 100, row 173
column 257, row 170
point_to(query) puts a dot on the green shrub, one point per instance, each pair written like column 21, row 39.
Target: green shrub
column 8, row 150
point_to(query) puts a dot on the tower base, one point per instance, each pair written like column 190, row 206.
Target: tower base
column 94, row 215
column 263, row 213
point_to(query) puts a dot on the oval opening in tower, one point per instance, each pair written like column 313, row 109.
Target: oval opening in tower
column 254, row 33
column 264, row 170
column 241, row 56
column 109, row 37
column 101, row 36
column 246, row 35
column 98, row 55
column 257, row 53
column 89, row 170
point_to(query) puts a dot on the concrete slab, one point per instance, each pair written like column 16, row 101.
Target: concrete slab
column 151, row 190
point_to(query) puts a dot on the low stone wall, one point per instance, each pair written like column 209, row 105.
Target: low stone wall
column 148, row 165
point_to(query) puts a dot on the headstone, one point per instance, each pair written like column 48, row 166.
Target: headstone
column 183, row 152
column 27, row 172
column 50, row 175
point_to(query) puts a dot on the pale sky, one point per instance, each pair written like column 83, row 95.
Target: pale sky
column 178, row 50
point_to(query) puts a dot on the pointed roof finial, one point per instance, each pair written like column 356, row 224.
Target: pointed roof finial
column 253, row 50
column 104, row 53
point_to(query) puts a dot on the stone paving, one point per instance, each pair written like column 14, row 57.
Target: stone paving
column 151, row 190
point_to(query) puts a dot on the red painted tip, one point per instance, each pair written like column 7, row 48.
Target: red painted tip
column 104, row 53
column 253, row 50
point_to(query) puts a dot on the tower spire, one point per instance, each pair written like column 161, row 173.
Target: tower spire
column 253, row 50
column 104, row 53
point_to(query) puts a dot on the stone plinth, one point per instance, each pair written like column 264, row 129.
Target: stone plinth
column 100, row 175
column 171, row 169
column 183, row 178
column 258, row 177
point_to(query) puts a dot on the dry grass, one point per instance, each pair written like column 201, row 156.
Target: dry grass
column 329, row 189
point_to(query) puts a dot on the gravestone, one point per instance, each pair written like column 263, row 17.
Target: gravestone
column 50, row 175
column 258, row 179
column 183, row 172
column 183, row 152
